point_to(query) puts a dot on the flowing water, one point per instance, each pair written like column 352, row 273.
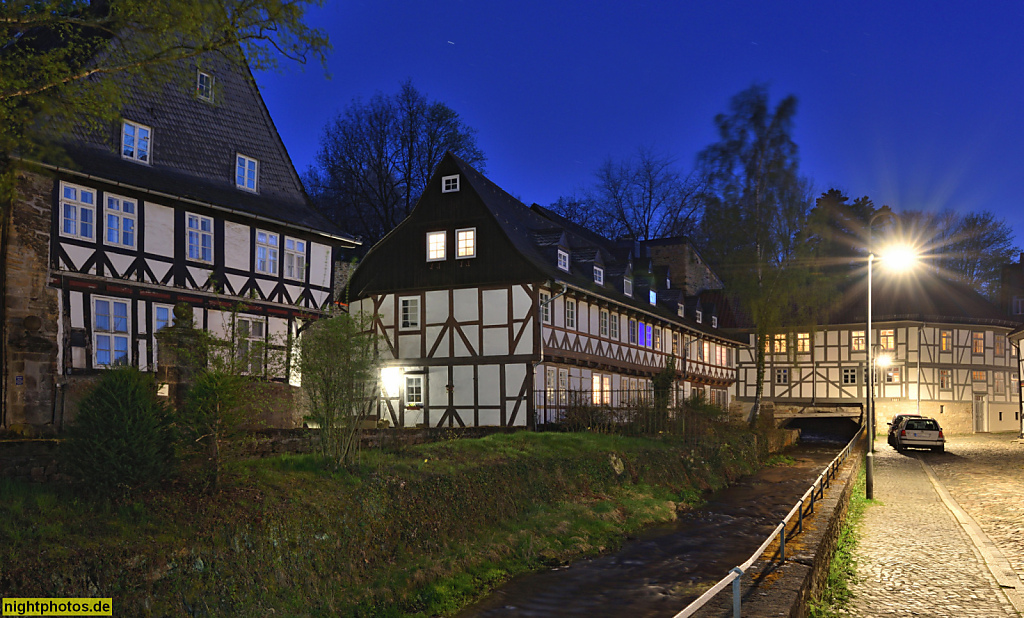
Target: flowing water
column 664, row 568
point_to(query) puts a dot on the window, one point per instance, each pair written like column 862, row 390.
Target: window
column 779, row 343
column 849, row 376
column 803, row 342
column 714, row 321
column 204, row 86
column 435, row 246
column 110, row 332
column 999, row 382
column 675, row 344
column 606, row 390
column 1017, row 306
column 200, row 238
column 246, row 172
column 549, row 384
column 595, row 389
column 1000, row 345
column 656, row 342
column 563, row 386
column 978, row 343
column 613, row 327
column 945, row 379
column 641, row 331
column 887, row 339
column 120, row 213
column 627, row 287
column 135, row 139
column 570, row 314
column 782, row 376
column 413, row 390
column 857, row 341
column 249, row 353
column 266, row 252
column 545, row 307
column 699, row 316
column 603, row 325
column 78, row 211
column 892, row 375
column 465, row 243
column 163, row 316
column 632, row 331
column 681, row 310
column 705, row 351
column 979, row 376
column 563, row 260
column 410, row 313
column 294, row 259
column 700, row 350
column 652, row 297
column 946, row 340
column 450, row 184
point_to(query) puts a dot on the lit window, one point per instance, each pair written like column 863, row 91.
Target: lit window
column 204, row 86
column 849, row 376
column 892, row 375
column 887, row 339
column 681, row 310
column 413, row 390
column 598, row 275
column 946, row 340
column 120, row 213
column 857, row 341
column 782, row 376
column 295, row 259
column 78, row 211
column 450, row 184
column 999, row 382
column 435, row 246
column 595, row 389
column 200, row 238
column 945, row 379
column 1000, row 345
column 700, row 350
column 545, row 307
column 978, row 343
column 656, row 342
column 803, row 342
column 410, row 316
column 641, row 330
column 563, row 260
column 779, row 344
column 135, row 140
column 266, row 252
column 246, row 172
column 979, row 376
column 249, row 333
column 705, row 353
column 465, row 243
column 613, row 327
column 652, row 297
column 627, row 287
column 604, row 323
column 675, row 344
column 606, row 390
column 110, row 332
column 570, row 314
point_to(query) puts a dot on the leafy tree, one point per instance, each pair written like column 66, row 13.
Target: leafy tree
column 755, row 204
column 339, row 367
column 835, row 232
column 376, row 157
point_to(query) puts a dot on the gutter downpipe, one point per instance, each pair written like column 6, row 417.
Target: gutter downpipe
column 919, row 328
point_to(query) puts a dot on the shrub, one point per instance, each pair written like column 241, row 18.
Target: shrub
column 122, row 438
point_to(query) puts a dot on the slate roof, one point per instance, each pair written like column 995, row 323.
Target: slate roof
column 195, row 142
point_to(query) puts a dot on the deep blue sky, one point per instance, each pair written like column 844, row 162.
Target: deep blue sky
column 919, row 105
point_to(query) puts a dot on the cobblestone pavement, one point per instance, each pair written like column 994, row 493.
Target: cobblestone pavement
column 914, row 558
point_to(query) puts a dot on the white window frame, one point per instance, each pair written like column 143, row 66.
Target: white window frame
column 945, row 379
column 598, row 275
column 295, row 258
column 135, row 147
column 563, row 260
column 115, row 330
column 603, row 322
column 887, row 339
column 409, row 319
column 1000, row 345
column 998, row 382
column 782, row 375
column 858, row 341
column 545, row 307
column 413, row 390
column 627, row 286
column 1017, row 305
column 892, row 375
column 714, row 321
column 114, row 211
column 204, row 94
column 849, row 375
column 450, row 184
column 465, row 243
column 652, row 297
column 977, row 338
column 570, row 313
column 157, row 327
column 244, row 338
column 803, row 343
column 613, row 326
column 632, row 331
column 945, row 340
column 268, row 251
column 437, row 250
column 200, row 234
column 250, row 173
column 76, row 206
column 699, row 316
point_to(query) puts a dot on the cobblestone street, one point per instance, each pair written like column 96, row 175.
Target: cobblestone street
column 916, row 559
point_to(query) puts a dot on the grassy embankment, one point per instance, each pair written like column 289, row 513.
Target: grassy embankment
column 419, row 532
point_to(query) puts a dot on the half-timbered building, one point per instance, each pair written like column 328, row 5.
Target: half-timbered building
column 490, row 312
column 944, row 348
column 190, row 198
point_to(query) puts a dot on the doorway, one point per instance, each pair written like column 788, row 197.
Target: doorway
column 980, row 419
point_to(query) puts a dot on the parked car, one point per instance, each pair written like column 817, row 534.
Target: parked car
column 920, row 433
column 895, row 424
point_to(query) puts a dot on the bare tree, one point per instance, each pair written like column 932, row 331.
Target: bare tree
column 376, row 157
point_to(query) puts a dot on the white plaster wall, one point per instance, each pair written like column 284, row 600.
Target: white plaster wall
column 159, row 229
column 237, row 253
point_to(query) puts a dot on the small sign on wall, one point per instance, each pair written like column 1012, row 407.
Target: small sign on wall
column 19, row 380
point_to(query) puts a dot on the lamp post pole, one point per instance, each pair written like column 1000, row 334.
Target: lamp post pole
column 869, row 464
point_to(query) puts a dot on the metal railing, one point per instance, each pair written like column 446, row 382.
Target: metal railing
column 803, row 507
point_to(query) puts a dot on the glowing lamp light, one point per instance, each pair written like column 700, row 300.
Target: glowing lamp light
column 883, row 360
column 391, row 380
column 899, row 258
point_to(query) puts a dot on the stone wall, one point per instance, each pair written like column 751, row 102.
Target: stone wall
column 30, row 460
column 31, row 326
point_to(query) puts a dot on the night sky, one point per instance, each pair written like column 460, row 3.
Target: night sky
column 919, row 105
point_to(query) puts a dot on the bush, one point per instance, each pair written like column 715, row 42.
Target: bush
column 122, row 438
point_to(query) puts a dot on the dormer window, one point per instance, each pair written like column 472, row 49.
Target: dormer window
column 681, row 310
column 450, row 184
column 204, row 87
column 627, row 287
column 246, row 173
column 135, row 141
column 699, row 316
column 714, row 321
column 598, row 275
column 563, row 260
column 652, row 297
column 668, row 283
